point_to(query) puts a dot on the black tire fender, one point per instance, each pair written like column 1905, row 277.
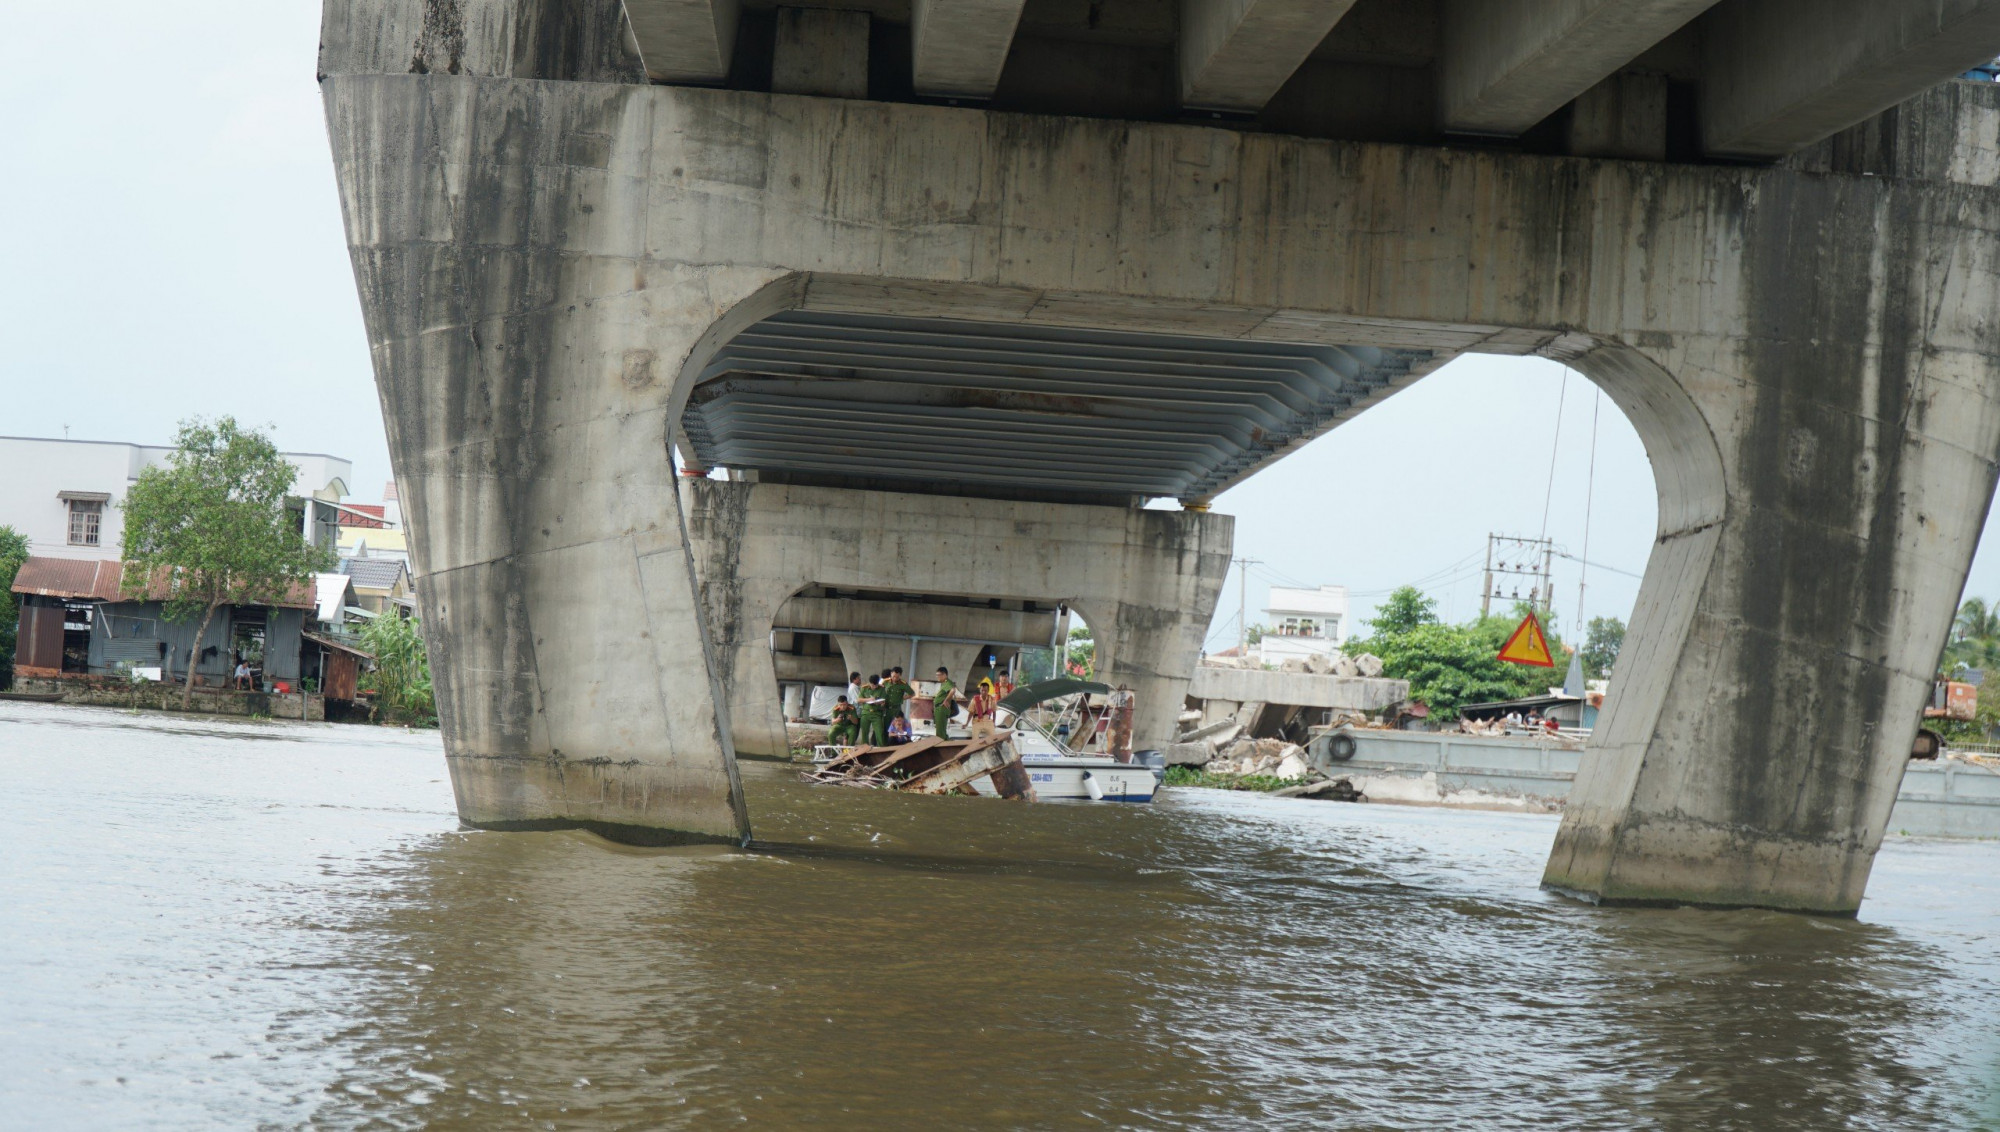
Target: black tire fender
column 1341, row 746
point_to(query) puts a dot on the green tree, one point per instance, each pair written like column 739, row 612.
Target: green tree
column 13, row 552
column 1601, row 641
column 1449, row 666
column 1975, row 638
column 1255, row 634
column 1406, row 609
column 402, row 673
column 1082, row 652
column 213, row 522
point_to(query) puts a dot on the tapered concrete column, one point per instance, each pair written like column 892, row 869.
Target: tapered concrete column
column 1824, row 479
column 525, row 355
column 1149, row 578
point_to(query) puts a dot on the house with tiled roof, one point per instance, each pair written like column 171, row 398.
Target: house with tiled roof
column 381, row 584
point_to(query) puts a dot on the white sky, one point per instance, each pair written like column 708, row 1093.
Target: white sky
column 172, row 246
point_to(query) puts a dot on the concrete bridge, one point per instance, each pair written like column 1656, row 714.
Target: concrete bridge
column 952, row 287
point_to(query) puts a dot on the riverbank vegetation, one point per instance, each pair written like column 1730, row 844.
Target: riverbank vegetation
column 214, row 521
column 1449, row 666
column 401, row 680
column 13, row 552
column 1197, row 776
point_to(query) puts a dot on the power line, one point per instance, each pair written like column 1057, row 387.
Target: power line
column 1599, row 565
column 1589, row 492
column 1555, row 447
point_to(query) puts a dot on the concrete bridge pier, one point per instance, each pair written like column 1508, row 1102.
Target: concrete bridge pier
column 1823, row 483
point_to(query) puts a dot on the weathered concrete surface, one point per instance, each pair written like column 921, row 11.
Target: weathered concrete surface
column 1810, row 359
column 685, row 41
column 1235, row 54
column 1300, row 689
column 957, row 47
column 1146, row 581
column 1505, row 65
column 1781, row 74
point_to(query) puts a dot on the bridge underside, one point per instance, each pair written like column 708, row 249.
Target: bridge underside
column 568, row 272
column 1025, row 411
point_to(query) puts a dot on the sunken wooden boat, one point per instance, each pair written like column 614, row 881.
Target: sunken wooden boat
column 931, row 766
column 33, row 697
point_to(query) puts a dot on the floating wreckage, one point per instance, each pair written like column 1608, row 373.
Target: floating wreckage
column 932, row 766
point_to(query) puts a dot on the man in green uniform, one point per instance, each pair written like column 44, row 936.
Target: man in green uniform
column 874, row 723
column 846, row 725
column 944, row 703
column 895, row 690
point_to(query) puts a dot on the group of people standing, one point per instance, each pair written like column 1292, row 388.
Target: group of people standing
column 875, row 710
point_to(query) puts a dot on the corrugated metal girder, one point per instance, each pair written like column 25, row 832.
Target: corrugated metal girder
column 932, row 401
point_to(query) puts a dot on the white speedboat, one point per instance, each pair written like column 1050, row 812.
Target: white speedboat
column 1057, row 773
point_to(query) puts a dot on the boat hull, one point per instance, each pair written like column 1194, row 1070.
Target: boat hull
column 1063, row 779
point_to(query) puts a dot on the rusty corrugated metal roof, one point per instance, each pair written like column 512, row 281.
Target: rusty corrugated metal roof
column 84, row 579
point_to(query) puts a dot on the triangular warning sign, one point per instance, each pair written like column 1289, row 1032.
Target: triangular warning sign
column 1528, row 645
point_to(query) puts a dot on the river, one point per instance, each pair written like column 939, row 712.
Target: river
column 216, row 924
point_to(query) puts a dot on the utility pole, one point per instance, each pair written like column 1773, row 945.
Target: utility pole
column 1529, row 559
column 1486, row 590
column 1243, row 604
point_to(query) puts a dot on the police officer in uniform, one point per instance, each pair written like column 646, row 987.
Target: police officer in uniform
column 944, row 703
column 874, row 722
column 846, row 725
column 895, row 691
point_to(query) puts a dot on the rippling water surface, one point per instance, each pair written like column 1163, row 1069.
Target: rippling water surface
column 209, row 924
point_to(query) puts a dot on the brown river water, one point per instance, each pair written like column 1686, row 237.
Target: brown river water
column 242, row 925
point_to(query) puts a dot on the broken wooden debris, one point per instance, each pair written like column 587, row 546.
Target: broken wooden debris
column 932, row 766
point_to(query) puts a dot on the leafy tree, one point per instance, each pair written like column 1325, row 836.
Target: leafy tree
column 13, row 552
column 402, row 673
column 213, row 520
column 1255, row 634
column 1449, row 666
column 1976, row 620
column 1082, row 654
column 1601, row 641
column 1405, row 610
column 1975, row 637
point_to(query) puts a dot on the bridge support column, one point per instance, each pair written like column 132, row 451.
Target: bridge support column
column 1147, row 581
column 1824, row 474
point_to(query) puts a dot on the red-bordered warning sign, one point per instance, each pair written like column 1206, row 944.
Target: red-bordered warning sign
column 1528, row 645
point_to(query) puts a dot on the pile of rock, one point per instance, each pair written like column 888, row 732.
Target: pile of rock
column 1273, row 758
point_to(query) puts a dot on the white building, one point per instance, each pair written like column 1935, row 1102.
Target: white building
column 64, row 495
column 1304, row 622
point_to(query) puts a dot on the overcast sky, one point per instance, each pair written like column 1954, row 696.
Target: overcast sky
column 173, row 247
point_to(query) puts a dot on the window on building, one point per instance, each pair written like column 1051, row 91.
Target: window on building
column 86, row 521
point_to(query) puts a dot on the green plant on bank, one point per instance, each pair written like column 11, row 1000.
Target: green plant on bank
column 13, row 552
column 1196, row 776
column 1449, row 666
column 1082, row 653
column 1602, row 639
column 1975, row 638
column 402, row 675
column 213, row 522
